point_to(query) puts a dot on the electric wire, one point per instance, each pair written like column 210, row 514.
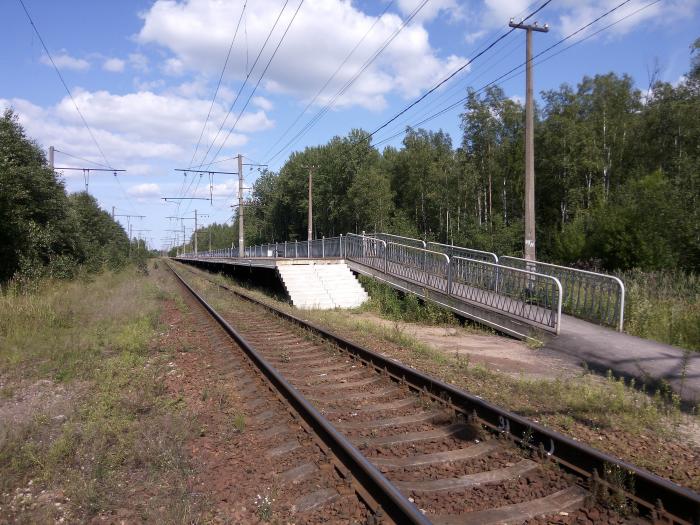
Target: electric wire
column 329, row 80
column 350, row 82
column 218, row 85
column 82, row 159
column 250, row 96
column 252, row 93
column 243, row 84
column 60, row 76
column 456, row 71
column 515, row 71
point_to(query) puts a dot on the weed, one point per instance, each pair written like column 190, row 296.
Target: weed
column 239, row 422
column 263, row 506
column 285, row 357
column 619, row 481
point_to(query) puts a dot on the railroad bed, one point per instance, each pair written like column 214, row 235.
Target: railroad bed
column 416, row 450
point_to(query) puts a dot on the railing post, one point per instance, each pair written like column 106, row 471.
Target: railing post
column 323, row 247
column 296, row 249
column 449, row 276
column 386, row 249
column 340, row 247
column 308, row 251
column 285, row 249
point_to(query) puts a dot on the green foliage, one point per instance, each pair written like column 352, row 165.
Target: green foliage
column 45, row 231
column 403, row 307
column 616, row 179
column 664, row 306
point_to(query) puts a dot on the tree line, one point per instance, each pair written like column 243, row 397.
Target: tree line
column 44, row 231
column 617, row 173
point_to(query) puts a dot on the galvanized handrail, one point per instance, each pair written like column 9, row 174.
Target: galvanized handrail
column 467, row 253
column 593, row 296
column 419, row 265
column 528, row 295
column 369, row 251
column 390, row 237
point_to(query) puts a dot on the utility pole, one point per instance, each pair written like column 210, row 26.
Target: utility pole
column 310, row 232
column 51, row 153
column 530, row 250
column 113, row 208
column 195, row 232
column 241, row 234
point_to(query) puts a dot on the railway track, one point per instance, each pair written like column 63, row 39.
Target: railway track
column 423, row 451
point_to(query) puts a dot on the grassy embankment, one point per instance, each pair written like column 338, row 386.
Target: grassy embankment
column 86, row 426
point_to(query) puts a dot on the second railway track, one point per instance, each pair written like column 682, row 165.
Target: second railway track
column 433, row 452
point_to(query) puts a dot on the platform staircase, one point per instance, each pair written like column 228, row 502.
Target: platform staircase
column 322, row 286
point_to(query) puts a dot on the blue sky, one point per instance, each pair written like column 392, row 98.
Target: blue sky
column 143, row 74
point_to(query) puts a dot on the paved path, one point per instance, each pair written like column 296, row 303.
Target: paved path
column 647, row 361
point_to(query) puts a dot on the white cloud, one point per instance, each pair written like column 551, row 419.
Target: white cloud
column 64, row 61
column 198, row 32
column 139, row 62
column 114, row 65
column 432, row 9
column 262, row 103
column 134, row 127
column 174, row 67
column 145, row 190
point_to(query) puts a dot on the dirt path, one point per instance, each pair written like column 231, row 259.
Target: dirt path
column 498, row 353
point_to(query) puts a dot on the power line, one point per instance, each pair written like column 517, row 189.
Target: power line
column 456, row 71
column 329, row 80
column 259, row 80
column 60, row 76
column 519, row 66
column 218, row 85
column 81, row 159
column 350, row 82
column 240, row 90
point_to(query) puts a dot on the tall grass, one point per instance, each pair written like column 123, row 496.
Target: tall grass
column 94, row 337
column 388, row 302
column 663, row 306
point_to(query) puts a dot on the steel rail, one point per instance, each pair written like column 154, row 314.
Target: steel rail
column 658, row 496
column 392, row 502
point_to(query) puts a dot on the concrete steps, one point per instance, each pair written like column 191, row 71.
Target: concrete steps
column 322, row 286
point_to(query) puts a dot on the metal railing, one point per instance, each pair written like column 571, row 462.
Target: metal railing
column 592, row 296
column 449, row 249
column 368, row 251
column 522, row 294
column 525, row 294
column 323, row 248
column 398, row 239
column 466, row 253
column 536, row 292
column 431, row 269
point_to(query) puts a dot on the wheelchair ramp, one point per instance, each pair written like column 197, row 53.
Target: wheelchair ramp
column 322, row 286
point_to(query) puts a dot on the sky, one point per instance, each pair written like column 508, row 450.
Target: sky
column 143, row 75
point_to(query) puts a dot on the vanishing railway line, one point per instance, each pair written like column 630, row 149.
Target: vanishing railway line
column 423, row 451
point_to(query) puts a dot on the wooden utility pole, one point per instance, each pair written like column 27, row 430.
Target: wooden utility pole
column 51, row 155
column 310, row 232
column 530, row 250
column 241, row 231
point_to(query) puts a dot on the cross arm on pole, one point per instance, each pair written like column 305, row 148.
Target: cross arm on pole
column 529, row 27
column 208, row 171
